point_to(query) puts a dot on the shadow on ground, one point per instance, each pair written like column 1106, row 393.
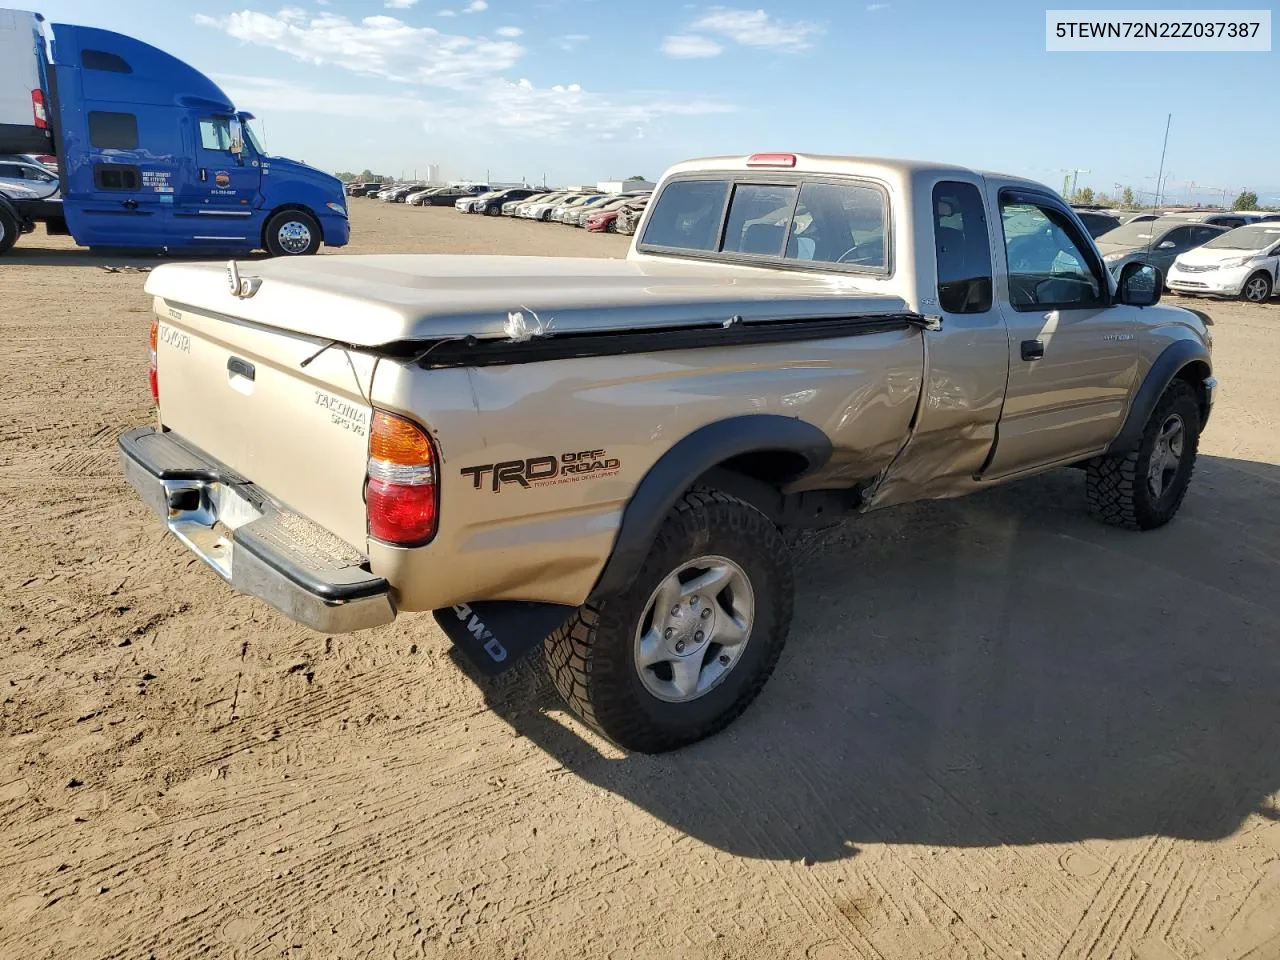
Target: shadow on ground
column 993, row 670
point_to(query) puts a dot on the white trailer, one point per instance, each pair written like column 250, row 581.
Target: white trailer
column 24, row 100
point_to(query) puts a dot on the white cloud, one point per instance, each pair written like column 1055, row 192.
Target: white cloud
column 571, row 41
column 476, row 6
column 755, row 28
column 292, row 14
column 400, row 4
column 511, row 32
column 516, row 110
column 447, row 13
column 687, row 46
column 873, row 7
column 377, row 46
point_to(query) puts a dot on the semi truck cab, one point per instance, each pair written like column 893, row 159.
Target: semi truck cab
column 153, row 154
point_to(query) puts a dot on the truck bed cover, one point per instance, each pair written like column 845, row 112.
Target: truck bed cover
column 378, row 300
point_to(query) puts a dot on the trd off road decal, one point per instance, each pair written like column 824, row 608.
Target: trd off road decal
column 566, row 468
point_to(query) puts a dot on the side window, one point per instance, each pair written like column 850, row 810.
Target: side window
column 758, row 217
column 840, row 223
column 113, row 131
column 1201, row 235
column 1179, row 239
column 963, row 248
column 1048, row 267
column 686, row 215
column 112, row 176
column 103, row 60
column 215, row 134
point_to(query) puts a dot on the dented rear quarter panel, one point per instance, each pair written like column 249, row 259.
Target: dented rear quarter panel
column 550, row 540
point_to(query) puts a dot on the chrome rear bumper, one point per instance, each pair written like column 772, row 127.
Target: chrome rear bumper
column 256, row 545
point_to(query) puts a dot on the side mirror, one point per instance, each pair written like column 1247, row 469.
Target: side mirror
column 1166, row 245
column 1139, row 284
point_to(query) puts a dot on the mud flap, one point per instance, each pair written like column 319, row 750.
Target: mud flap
column 495, row 634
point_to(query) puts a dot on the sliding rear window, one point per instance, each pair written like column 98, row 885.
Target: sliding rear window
column 803, row 222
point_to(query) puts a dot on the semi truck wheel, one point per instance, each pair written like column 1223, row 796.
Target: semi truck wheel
column 1143, row 489
column 9, row 231
column 687, row 647
column 292, row 233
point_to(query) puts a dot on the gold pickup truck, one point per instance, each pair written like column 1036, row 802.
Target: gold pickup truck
column 597, row 456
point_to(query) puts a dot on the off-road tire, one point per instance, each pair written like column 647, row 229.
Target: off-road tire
column 591, row 658
column 9, row 231
column 1266, row 288
column 271, row 234
column 1116, row 485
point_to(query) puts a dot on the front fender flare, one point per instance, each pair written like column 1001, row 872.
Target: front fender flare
column 677, row 469
column 1172, row 361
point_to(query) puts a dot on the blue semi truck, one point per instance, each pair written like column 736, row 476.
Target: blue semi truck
column 150, row 154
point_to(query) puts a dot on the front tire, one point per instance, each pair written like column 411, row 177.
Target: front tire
column 690, row 643
column 1257, row 289
column 292, row 233
column 1143, row 489
column 9, row 231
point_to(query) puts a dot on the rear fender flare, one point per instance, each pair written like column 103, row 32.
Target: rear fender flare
column 688, row 460
column 1172, row 361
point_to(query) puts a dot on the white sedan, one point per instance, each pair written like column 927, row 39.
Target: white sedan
column 1244, row 262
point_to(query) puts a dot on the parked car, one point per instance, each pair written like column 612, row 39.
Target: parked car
column 541, row 209
column 1096, row 222
column 558, row 211
column 399, row 194
column 1139, row 217
column 493, row 205
column 1218, row 219
column 521, row 208
column 1244, row 263
column 629, row 217
column 1156, row 242
column 617, row 489
column 448, row 196
column 23, row 178
column 572, row 216
column 467, row 204
column 602, row 218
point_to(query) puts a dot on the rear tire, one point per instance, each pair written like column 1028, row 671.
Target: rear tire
column 1257, row 289
column 9, row 231
column 718, row 584
column 492, row 211
column 292, row 233
column 1143, row 489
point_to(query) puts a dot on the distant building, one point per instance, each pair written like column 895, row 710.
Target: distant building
column 433, row 173
column 624, row 186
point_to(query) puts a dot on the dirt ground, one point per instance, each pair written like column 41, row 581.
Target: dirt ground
column 998, row 730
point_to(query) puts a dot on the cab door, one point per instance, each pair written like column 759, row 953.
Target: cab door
column 1072, row 353
column 218, row 193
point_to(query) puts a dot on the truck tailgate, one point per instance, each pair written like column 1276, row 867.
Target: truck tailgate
column 239, row 393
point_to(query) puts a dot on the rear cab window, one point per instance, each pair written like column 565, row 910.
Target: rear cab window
column 802, row 222
column 963, row 248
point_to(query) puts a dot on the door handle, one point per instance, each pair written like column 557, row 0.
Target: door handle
column 204, row 174
column 129, row 204
column 1032, row 349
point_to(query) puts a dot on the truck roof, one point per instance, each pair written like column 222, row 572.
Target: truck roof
column 886, row 168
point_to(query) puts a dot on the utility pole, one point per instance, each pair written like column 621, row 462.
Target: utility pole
column 1159, row 185
column 1072, row 175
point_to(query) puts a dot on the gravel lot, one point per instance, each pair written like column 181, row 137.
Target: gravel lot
column 999, row 730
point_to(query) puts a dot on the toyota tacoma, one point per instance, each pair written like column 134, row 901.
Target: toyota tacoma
column 598, row 457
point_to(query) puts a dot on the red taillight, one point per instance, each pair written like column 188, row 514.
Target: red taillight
column 771, row 160
column 400, row 493
column 153, row 374
column 38, row 111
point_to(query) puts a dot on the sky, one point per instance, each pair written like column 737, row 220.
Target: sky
column 582, row 90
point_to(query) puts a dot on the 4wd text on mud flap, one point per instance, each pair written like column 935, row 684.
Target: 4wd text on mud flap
column 579, row 464
column 475, row 626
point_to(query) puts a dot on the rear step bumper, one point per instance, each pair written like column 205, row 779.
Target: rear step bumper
column 256, row 545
